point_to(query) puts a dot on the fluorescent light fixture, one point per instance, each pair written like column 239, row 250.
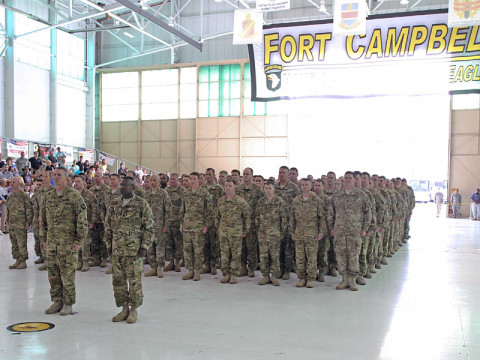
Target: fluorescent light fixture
column 403, row 2
column 143, row 4
column 218, row 0
column 322, row 7
column 127, row 34
column 171, row 22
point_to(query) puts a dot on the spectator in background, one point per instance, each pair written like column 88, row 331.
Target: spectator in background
column 60, row 155
column 86, row 166
column 139, row 171
column 53, row 160
column 122, row 170
column 75, row 169
column 27, row 178
column 13, row 170
column 35, row 161
column 439, row 201
column 5, row 174
column 62, row 163
column 21, row 162
column 475, row 197
column 80, row 164
column 43, row 158
column 103, row 166
column 456, row 201
column 49, row 166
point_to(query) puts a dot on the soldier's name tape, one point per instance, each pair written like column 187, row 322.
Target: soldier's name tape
column 30, row 327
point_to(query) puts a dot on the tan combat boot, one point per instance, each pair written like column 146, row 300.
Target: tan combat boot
column 133, row 316
column 39, row 260
column 310, row 284
column 94, row 263
column 351, row 283
column 275, row 281
column 182, row 263
column 372, row 270
column 378, row 266
column 286, row 275
column 79, row 265
column 22, row 265
column 321, row 278
column 225, row 279
column 14, row 265
column 251, row 273
column 333, row 272
column 122, row 315
column 233, row 279
column 159, row 272
column 205, row 270
column 264, row 281
column 66, row 310
column 54, row 308
column 103, row 264
column 301, row 283
column 151, row 272
column 243, row 271
column 360, row 281
column 109, row 270
column 368, row 275
column 196, row 275
column 344, row 283
column 177, row 266
column 85, row 266
column 213, row 270
column 169, row 267
column 42, row 267
column 383, row 262
column 188, row 275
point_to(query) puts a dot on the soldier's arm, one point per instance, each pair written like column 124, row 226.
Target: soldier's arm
column 167, row 211
column 208, row 219
column 28, row 210
column 292, row 222
column 43, row 222
column 82, row 224
column 331, row 215
column 108, row 235
column 147, row 226
column 322, row 228
column 247, row 220
column 366, row 216
column 283, row 219
column 182, row 212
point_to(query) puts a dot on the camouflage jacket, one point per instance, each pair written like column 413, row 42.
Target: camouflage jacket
column 63, row 219
column 216, row 191
column 37, row 200
column 288, row 192
column 139, row 191
column 371, row 204
column 381, row 208
column 388, row 206
column 400, row 204
column 393, row 203
column 251, row 195
column 349, row 214
column 176, row 196
column 271, row 217
column 306, row 218
column 161, row 206
column 325, row 200
column 196, row 210
column 19, row 210
column 111, row 196
column 129, row 227
column 233, row 215
column 91, row 203
column 101, row 194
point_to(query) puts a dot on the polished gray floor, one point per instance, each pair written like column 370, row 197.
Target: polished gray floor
column 424, row 305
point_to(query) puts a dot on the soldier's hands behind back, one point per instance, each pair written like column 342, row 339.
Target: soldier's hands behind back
column 142, row 253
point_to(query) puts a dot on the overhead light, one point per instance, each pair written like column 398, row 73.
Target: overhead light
column 403, row 2
column 117, row 22
column 218, row 0
column 171, row 22
column 127, row 34
column 322, row 7
column 143, row 4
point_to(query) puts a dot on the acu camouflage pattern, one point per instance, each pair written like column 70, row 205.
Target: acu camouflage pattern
column 211, row 250
column 324, row 244
column 19, row 217
column 271, row 224
column 37, row 200
column 98, row 249
column 63, row 223
column 381, row 215
column 233, row 219
column 174, row 245
column 92, row 207
column 369, row 238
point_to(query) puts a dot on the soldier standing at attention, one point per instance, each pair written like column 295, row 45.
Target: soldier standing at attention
column 161, row 206
column 174, row 245
column 91, row 203
column 211, row 252
column 222, row 178
column 98, row 249
column 307, row 229
column 195, row 218
column 324, row 244
column 233, row 219
column 271, row 224
column 349, row 219
column 128, row 234
column 287, row 191
column 114, row 193
column 330, row 180
column 39, row 199
column 63, row 223
column 19, row 219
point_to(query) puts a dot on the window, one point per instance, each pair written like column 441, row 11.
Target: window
column 188, row 93
column 70, row 55
column 120, row 96
column 251, row 107
column 33, row 49
column 160, row 94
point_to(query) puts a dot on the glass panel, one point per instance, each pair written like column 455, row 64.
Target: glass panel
column 235, row 90
column 203, row 107
column 188, row 92
column 159, row 77
column 188, row 109
column 234, row 107
column 70, row 55
column 246, row 74
column 214, row 73
column 203, row 91
column 213, row 108
column 224, row 108
column 203, row 74
column 224, row 90
column 235, row 72
column 225, row 73
column 120, row 80
column 214, row 91
column 188, row 75
column 160, row 111
column 248, row 107
column 119, row 112
column 247, row 89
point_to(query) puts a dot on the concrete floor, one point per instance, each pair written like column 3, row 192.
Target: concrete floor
column 423, row 305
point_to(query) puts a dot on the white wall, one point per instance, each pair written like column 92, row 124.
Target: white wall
column 71, row 113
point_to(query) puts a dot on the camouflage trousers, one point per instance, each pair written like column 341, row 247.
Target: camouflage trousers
column 270, row 254
column 127, row 280
column 18, row 239
column 249, row 250
column 193, row 249
column 379, row 246
column 156, row 252
column 322, row 259
column 401, row 227
column 362, row 257
column 36, row 236
column 84, row 253
column 347, row 249
column 211, row 248
column 406, row 228
column 98, row 249
column 372, row 251
column 393, row 237
column 174, row 243
column 230, row 251
column 306, row 254
column 287, row 254
column 332, row 257
column 386, row 243
column 61, row 275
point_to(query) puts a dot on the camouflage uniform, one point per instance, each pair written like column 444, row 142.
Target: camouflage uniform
column 91, row 203
column 211, row 251
column 306, row 224
column 287, row 251
column 161, row 206
column 385, row 234
column 349, row 215
column 139, row 191
column 19, row 216
column 63, row 223
column 411, row 196
column 98, row 249
column 174, row 245
column 393, row 199
column 378, row 212
column 271, row 225
column 36, row 230
column 233, row 219
column 397, row 225
column 332, row 257
column 367, row 239
column 195, row 213
column 128, row 228
column 250, row 243
column 38, row 200
column 324, row 244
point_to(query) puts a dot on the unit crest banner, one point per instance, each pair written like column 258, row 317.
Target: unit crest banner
column 463, row 12
column 247, row 27
column 350, row 17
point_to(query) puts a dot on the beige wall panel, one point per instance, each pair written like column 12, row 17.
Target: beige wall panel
column 228, row 127
column 150, row 150
column 186, row 148
column 230, row 147
column 128, row 131
column 168, row 130
column 465, row 144
column 276, row 126
column 466, row 178
column 168, row 149
column 129, row 151
column 186, row 165
column 276, row 147
column 111, row 148
column 465, row 121
column 187, row 129
column 150, row 130
column 206, row 148
column 225, row 163
column 253, row 147
column 160, row 164
column 110, row 132
column 207, row 128
column 253, row 126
